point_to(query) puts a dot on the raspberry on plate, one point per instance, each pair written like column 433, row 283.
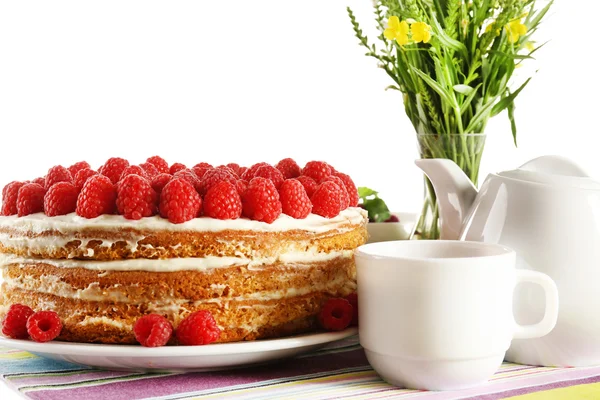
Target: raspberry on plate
column 44, row 326
column 14, row 324
column 10, row 194
column 82, row 176
column 328, row 199
column 198, row 328
column 56, row 174
column 176, row 167
column 161, row 165
column 136, row 198
column 60, row 199
column 152, row 330
column 222, row 201
column 309, row 184
column 30, row 199
column 133, row 170
column 113, row 168
column 289, row 168
column 179, row 201
column 261, row 202
column 272, row 173
column 336, row 314
column 350, row 188
column 294, row 200
column 97, row 197
column 159, row 182
column 78, row 166
column 343, row 190
column 318, row 170
column 249, row 173
column 353, row 300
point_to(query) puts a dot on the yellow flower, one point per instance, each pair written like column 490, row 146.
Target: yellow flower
column 397, row 30
column 530, row 46
column 421, row 32
column 515, row 29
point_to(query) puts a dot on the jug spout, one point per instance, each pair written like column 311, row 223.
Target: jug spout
column 455, row 194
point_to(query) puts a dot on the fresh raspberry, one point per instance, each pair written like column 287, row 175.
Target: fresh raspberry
column 242, row 171
column 318, row 170
column 44, row 326
column 272, row 173
column 289, row 168
column 309, row 184
column 344, row 191
column 150, row 169
column 327, row 200
column 78, row 166
column 133, row 170
column 222, row 201
column 350, row 188
column 201, row 171
column 294, row 200
column 161, row 165
column 136, row 198
column 152, row 330
column 60, row 199
column 241, row 186
column 198, row 328
column 249, row 173
column 10, row 193
column 189, row 176
column 176, row 167
column 214, row 176
column 113, row 168
column 30, row 199
column 83, row 176
column 235, row 167
column 353, row 300
column 392, row 218
column 40, row 181
column 159, row 182
column 179, row 201
column 336, row 314
column 14, row 324
column 261, row 202
column 55, row 174
column 97, row 197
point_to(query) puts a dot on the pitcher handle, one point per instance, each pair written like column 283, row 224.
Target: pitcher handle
column 547, row 323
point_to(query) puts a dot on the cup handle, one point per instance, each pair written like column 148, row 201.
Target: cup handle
column 547, row 323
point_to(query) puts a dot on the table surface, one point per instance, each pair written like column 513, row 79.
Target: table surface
column 338, row 371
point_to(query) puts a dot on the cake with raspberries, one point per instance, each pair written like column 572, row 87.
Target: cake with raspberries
column 201, row 254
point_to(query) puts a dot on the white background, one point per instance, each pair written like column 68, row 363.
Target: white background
column 248, row 81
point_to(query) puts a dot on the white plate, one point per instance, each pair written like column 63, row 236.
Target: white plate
column 179, row 358
column 386, row 231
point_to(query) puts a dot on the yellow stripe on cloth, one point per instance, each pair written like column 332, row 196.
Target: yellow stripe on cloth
column 17, row 355
column 589, row 391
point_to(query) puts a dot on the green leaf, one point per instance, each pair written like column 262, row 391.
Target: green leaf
column 435, row 86
column 504, row 102
column 463, row 89
column 364, row 192
column 377, row 209
column 511, row 116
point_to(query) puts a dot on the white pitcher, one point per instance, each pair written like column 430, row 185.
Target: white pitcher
column 548, row 210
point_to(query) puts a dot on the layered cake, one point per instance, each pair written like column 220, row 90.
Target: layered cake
column 261, row 249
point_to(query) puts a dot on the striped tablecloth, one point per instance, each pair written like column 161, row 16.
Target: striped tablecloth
column 339, row 371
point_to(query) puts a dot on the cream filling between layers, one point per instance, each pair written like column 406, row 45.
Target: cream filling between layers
column 298, row 258
column 71, row 223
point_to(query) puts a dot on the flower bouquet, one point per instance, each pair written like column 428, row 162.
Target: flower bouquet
column 453, row 61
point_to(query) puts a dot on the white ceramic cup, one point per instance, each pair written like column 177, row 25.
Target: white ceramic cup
column 437, row 315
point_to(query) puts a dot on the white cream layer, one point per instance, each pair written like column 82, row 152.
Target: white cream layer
column 180, row 264
column 71, row 223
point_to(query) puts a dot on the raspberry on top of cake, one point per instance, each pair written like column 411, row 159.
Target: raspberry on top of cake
column 260, row 248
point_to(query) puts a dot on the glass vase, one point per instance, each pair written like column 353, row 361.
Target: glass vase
column 466, row 151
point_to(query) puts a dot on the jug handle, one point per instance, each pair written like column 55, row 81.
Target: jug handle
column 547, row 323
